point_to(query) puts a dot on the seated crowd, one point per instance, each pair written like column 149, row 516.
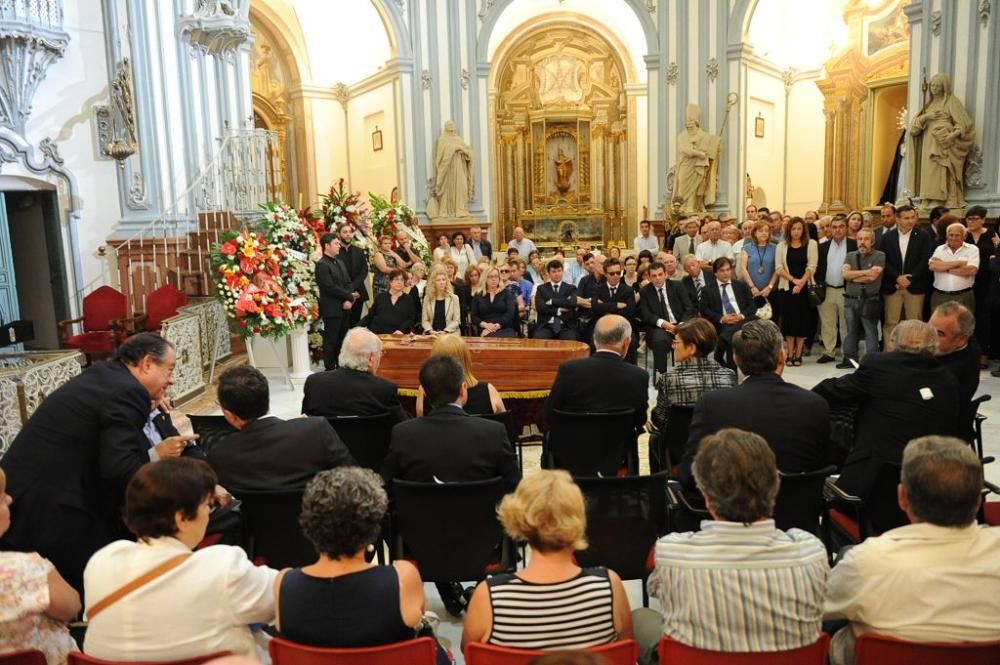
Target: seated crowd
column 101, row 503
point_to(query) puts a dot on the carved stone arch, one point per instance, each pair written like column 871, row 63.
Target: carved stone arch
column 398, row 33
column 739, row 21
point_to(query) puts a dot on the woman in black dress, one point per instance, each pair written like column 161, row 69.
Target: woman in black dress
column 795, row 263
column 393, row 312
column 482, row 396
column 494, row 310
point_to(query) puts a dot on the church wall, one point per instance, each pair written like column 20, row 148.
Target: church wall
column 371, row 170
column 806, row 148
column 766, row 156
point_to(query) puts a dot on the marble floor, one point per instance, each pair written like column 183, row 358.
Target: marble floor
column 286, row 402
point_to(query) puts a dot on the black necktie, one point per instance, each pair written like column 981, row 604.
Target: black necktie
column 614, row 290
column 691, row 247
column 663, row 302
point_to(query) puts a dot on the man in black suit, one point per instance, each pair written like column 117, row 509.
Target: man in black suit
column 907, row 277
column 695, row 280
column 353, row 389
column 268, row 453
column 663, row 305
column 354, row 259
column 903, row 394
column 613, row 297
column 586, row 288
column 68, row 466
column 794, row 422
column 335, row 298
column 888, row 215
column 555, row 302
column 481, row 247
column 728, row 304
column 830, row 273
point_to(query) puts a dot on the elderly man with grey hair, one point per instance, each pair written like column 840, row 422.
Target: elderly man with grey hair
column 353, row 389
column 936, row 579
column 901, row 394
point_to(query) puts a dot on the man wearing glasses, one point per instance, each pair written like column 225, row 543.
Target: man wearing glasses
column 613, row 297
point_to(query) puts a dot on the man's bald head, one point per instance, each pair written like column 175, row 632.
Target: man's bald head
column 613, row 333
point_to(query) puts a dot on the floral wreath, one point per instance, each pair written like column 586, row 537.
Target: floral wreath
column 392, row 218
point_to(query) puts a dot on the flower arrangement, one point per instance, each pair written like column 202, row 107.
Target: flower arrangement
column 393, row 218
column 341, row 207
column 283, row 225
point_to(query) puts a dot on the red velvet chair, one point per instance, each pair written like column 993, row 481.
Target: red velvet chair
column 80, row 658
column 23, row 657
column 673, row 652
column 420, row 651
column 104, row 312
column 881, row 650
column 623, row 652
column 161, row 304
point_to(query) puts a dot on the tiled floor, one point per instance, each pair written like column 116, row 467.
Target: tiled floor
column 286, row 403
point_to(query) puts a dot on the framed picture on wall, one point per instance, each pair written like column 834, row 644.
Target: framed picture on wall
column 758, row 126
column 377, row 139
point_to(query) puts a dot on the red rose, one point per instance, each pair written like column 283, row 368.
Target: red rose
column 243, row 324
column 229, row 248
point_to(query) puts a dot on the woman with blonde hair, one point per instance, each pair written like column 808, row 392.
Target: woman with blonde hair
column 441, row 310
column 385, row 260
column 494, row 309
column 482, row 396
column 552, row 603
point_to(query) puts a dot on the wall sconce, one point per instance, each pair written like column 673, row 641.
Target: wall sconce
column 377, row 139
column 116, row 133
column 758, row 126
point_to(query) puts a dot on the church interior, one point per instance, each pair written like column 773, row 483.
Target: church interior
column 140, row 138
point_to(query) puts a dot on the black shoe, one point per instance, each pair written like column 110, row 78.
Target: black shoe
column 825, row 358
column 452, row 595
column 845, row 365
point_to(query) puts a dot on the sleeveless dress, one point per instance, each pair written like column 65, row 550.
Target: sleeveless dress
column 380, row 283
column 477, row 404
column 795, row 321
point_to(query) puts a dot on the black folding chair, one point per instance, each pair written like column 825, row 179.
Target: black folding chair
column 625, row 516
column 850, row 519
column 666, row 447
column 506, row 418
column 211, row 430
column 366, row 437
column 800, row 499
column 272, row 520
column 591, row 444
column 451, row 529
column 974, row 419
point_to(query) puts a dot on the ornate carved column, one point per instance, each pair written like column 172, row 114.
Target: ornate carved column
column 845, row 93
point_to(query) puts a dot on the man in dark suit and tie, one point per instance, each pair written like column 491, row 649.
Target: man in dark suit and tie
column 354, row 259
column 728, row 304
column 613, row 297
column 353, row 389
column 335, row 298
column 268, row 453
column 695, row 280
column 662, row 306
column 555, row 302
column 907, row 276
column 795, row 424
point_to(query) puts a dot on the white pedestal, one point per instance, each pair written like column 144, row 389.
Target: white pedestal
column 267, row 355
column 298, row 339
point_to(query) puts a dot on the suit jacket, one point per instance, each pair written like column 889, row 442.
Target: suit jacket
column 649, row 304
column 452, row 313
column 449, row 445
column 824, row 251
column 349, row 392
column 795, row 424
column 565, row 299
column 711, row 302
column 887, row 387
column 275, row 454
column 165, row 428
column 357, row 269
column 602, row 303
column 682, row 246
column 68, row 466
column 334, row 287
column 692, row 292
column 601, row 383
column 918, row 253
column 487, row 249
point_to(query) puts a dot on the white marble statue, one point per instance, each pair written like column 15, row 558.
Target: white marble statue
column 453, row 185
column 940, row 138
column 697, row 163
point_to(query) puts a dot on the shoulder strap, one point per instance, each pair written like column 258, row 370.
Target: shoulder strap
column 141, row 581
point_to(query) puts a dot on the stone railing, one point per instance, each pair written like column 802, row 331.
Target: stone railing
column 25, row 380
column 200, row 334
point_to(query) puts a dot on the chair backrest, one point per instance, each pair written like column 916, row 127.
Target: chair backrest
column 23, row 657
column 367, row 437
column 505, row 418
column 625, row 516
column 623, row 652
column 211, row 429
column 80, row 658
column 420, row 651
column 272, row 520
column 800, row 499
column 881, row 506
column 430, row 518
column 879, row 650
column 163, row 303
column 674, row 439
column 590, row 444
column 673, row 652
column 102, row 306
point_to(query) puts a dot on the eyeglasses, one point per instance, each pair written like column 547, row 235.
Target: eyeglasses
column 504, row 272
column 614, row 273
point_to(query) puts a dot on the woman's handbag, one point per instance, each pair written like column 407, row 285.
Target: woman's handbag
column 764, row 311
column 817, row 294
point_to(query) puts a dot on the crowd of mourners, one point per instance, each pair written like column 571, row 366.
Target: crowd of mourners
column 106, row 506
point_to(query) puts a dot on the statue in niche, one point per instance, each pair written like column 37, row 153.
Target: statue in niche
column 697, row 162
column 453, row 187
column 940, row 138
column 564, row 169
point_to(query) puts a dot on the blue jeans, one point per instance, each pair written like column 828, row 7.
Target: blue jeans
column 852, row 312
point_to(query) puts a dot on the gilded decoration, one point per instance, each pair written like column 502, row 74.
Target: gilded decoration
column 560, row 158
column 270, row 83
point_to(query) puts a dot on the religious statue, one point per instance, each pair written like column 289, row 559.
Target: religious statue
column 453, row 186
column 698, row 155
column 564, row 169
column 940, row 138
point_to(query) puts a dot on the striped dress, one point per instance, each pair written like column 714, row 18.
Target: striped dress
column 575, row 614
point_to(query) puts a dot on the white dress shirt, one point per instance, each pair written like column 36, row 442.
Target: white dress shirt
column 710, row 251
column 904, row 243
column 947, row 282
column 203, row 606
column 671, row 318
column 921, row 583
column 650, row 242
column 726, row 289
